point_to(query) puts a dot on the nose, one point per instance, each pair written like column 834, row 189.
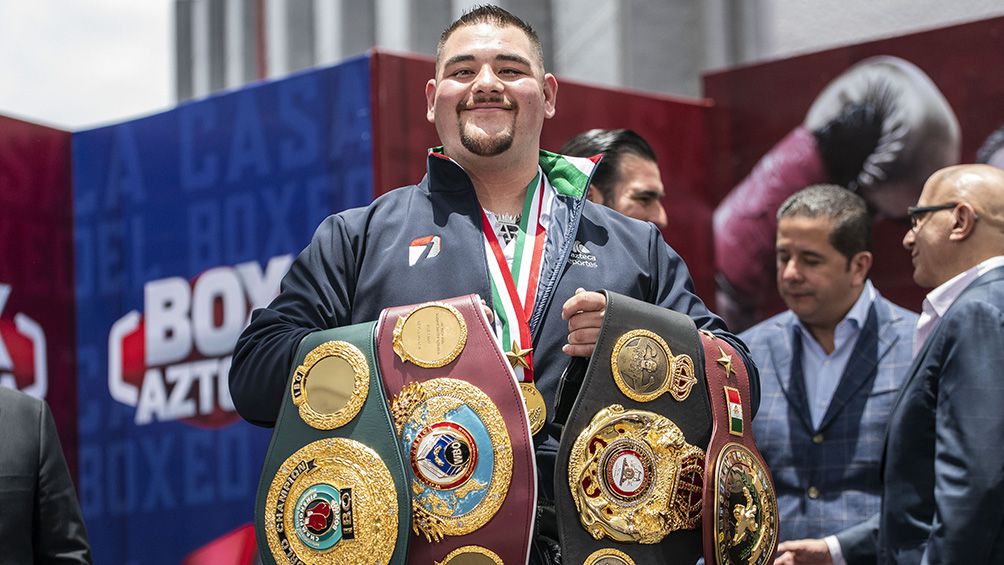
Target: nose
column 660, row 218
column 909, row 239
column 789, row 271
column 487, row 80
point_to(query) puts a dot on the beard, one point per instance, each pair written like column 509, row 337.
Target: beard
column 483, row 144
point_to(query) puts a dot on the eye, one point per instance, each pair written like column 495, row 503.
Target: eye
column 462, row 73
column 510, row 72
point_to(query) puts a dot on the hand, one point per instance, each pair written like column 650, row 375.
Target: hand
column 584, row 312
column 488, row 311
column 803, row 552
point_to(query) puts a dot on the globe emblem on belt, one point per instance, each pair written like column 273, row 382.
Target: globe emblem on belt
column 444, row 455
column 317, row 519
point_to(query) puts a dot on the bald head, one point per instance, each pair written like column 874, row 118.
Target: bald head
column 959, row 225
column 982, row 186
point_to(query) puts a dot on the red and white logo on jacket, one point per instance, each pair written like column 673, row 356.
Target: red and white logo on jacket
column 427, row 246
column 22, row 350
column 172, row 360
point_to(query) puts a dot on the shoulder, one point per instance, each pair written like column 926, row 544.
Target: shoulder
column 14, row 402
column 391, row 207
column 901, row 318
column 770, row 330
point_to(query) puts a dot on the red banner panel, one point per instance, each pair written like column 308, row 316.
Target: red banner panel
column 36, row 266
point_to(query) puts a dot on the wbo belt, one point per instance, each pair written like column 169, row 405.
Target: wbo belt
column 463, row 430
column 740, row 504
column 333, row 487
column 630, row 469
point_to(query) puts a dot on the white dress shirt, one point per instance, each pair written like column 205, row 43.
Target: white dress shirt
column 940, row 299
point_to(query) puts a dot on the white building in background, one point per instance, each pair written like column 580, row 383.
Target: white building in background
column 655, row 45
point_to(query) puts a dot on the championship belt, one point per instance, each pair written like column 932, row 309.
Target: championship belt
column 740, row 505
column 630, row 470
column 333, row 488
column 463, row 431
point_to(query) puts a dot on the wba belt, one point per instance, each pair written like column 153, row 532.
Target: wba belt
column 463, row 430
column 740, row 505
column 630, row 466
column 333, row 486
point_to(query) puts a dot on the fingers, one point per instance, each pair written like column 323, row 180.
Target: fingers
column 488, row 311
column 583, row 301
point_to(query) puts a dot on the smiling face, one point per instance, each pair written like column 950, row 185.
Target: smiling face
column 490, row 94
column 813, row 278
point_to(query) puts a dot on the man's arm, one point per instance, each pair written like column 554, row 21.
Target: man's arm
column 58, row 529
column 314, row 295
column 969, row 456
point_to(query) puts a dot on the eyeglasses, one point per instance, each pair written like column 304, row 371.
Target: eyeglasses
column 917, row 213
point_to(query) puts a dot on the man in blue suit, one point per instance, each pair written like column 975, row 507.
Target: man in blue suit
column 830, row 366
column 943, row 472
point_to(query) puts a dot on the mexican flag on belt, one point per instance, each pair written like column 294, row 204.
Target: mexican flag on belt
column 735, row 411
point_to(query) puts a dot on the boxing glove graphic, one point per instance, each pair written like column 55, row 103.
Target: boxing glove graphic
column 880, row 129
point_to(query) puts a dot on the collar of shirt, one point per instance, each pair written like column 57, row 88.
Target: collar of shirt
column 509, row 249
column 939, row 300
column 821, row 371
column 847, row 328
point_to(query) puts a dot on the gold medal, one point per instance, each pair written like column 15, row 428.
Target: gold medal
column 430, row 336
column 536, row 408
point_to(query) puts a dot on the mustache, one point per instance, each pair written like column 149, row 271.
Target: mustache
column 487, row 99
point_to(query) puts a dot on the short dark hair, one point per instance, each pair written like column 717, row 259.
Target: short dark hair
column 852, row 226
column 489, row 14
column 614, row 144
column 993, row 143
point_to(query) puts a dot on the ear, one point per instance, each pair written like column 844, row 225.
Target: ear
column 861, row 263
column 430, row 100
column 965, row 222
column 594, row 195
column 550, row 95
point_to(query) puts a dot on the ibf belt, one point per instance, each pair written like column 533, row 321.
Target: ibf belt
column 740, row 505
column 630, row 467
column 463, row 430
column 333, row 486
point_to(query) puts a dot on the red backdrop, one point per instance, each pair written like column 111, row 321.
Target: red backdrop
column 36, row 264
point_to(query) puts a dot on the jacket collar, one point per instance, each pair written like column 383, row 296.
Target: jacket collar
column 568, row 175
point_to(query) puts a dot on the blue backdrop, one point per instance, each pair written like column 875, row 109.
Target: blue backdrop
column 185, row 221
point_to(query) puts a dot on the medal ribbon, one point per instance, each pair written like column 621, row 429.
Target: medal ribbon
column 514, row 291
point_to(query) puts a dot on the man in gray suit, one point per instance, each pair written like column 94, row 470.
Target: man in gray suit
column 943, row 472
column 830, row 366
column 39, row 515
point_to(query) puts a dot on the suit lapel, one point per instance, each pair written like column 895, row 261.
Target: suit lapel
column 787, row 358
column 873, row 342
column 992, row 276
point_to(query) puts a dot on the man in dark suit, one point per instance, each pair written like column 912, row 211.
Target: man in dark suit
column 39, row 515
column 830, row 366
column 943, row 473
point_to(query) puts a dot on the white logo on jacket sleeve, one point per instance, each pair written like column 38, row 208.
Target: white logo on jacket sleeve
column 581, row 256
column 419, row 246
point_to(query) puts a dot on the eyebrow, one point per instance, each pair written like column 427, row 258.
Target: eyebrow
column 500, row 57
